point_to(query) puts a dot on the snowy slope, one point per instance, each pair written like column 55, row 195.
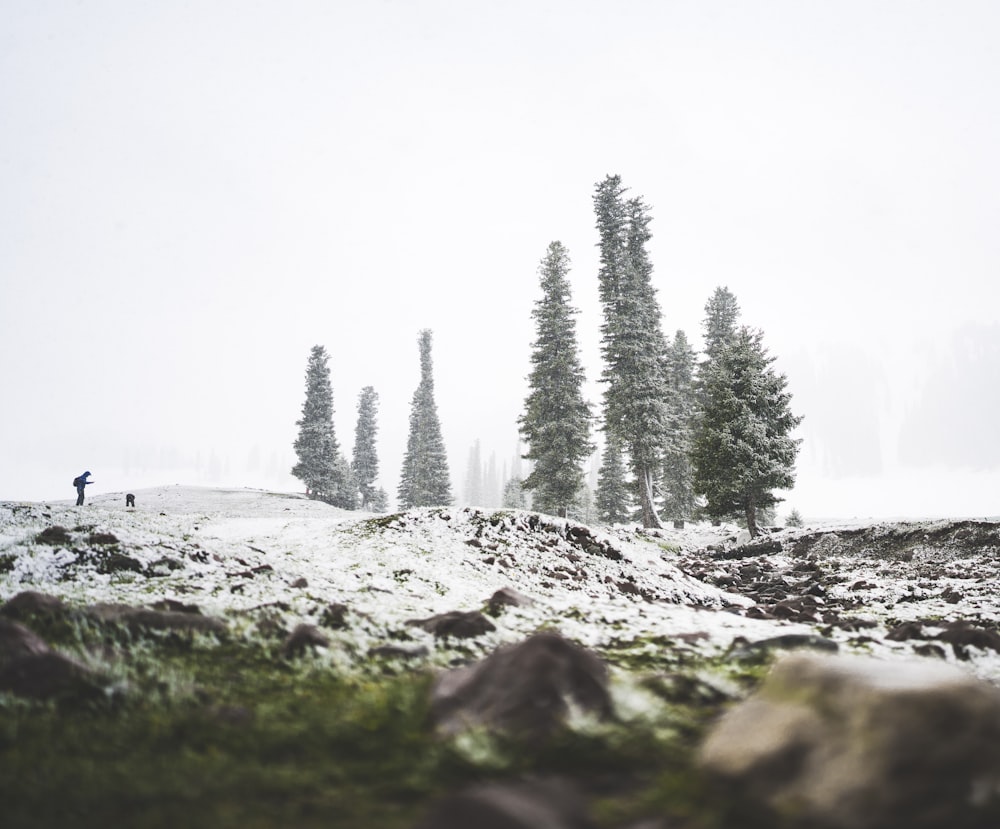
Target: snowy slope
column 233, row 551
column 269, row 561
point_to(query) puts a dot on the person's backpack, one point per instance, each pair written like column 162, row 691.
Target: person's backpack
column 76, row 482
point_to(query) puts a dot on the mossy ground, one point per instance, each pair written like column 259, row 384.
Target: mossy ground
column 228, row 734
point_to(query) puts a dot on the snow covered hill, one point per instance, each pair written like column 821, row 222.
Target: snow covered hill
column 236, row 552
column 262, row 560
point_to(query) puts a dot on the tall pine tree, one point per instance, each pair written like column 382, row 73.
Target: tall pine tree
column 633, row 345
column 679, row 500
column 742, row 449
column 556, row 419
column 612, row 500
column 320, row 465
column 424, row 481
column 364, row 463
column 722, row 312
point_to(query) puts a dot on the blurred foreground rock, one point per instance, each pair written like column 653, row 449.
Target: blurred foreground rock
column 857, row 743
column 527, row 688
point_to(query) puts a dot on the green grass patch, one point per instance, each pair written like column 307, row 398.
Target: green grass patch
column 221, row 734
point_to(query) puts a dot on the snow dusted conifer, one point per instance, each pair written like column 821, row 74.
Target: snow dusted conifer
column 513, row 495
column 320, row 465
column 612, row 500
column 722, row 312
column 345, row 495
column 556, row 419
column 632, row 341
column 742, row 446
column 424, row 481
column 380, row 501
column 794, row 519
column 365, row 460
column 679, row 500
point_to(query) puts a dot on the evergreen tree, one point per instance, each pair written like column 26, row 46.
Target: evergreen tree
column 632, row 341
column 365, row 461
column 424, row 481
column 556, row 419
column 583, row 506
column 612, row 492
column 517, row 461
column 722, row 312
column 380, row 501
column 320, row 465
column 679, row 501
column 794, row 519
column 742, row 446
column 513, row 495
column 346, row 494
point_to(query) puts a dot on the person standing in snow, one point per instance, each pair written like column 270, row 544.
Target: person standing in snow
column 80, row 483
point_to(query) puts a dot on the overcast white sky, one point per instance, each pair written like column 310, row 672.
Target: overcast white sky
column 192, row 194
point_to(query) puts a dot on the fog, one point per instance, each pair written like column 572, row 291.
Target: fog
column 192, row 195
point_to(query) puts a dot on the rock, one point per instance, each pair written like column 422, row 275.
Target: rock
column 300, row 583
column 507, row 597
column 458, row 624
column 398, row 652
column 748, row 550
column 525, row 688
column 857, row 743
column 961, row 634
column 102, row 538
column 551, row 804
column 117, row 563
column 140, row 618
column 175, row 606
column 743, row 649
column 54, row 536
column 930, row 649
column 49, row 675
column 952, row 596
column 17, row 641
column 304, row 638
column 30, row 603
column 164, row 566
column 335, row 616
column 906, row 630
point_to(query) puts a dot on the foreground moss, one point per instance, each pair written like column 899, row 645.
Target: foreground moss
column 203, row 733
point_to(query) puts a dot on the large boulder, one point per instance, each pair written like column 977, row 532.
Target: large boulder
column 858, row 743
column 527, row 688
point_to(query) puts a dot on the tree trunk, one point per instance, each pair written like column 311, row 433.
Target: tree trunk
column 650, row 520
column 750, row 508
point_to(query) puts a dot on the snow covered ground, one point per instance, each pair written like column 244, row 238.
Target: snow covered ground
column 241, row 554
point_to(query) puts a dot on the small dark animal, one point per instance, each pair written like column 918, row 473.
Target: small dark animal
column 130, row 500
